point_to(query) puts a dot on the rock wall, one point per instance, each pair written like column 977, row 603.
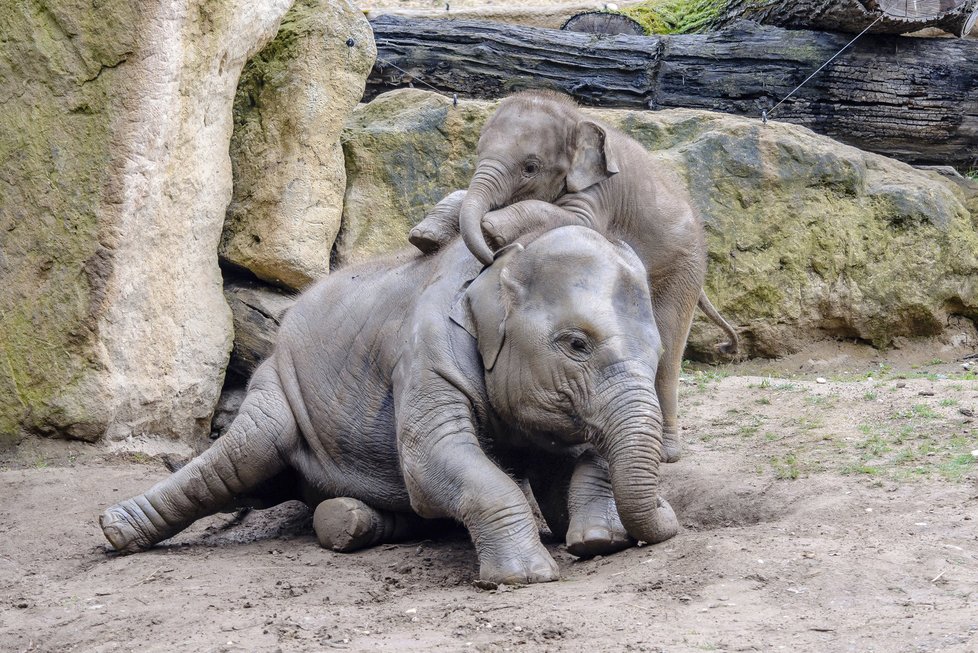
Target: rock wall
column 809, row 239
column 114, row 179
column 289, row 176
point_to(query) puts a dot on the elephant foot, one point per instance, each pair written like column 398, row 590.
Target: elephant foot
column 346, row 524
column 671, row 446
column 429, row 235
column 597, row 532
column 518, row 568
column 121, row 525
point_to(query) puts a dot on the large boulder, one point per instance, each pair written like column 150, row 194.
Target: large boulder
column 808, row 238
column 289, row 175
column 404, row 151
column 114, row 179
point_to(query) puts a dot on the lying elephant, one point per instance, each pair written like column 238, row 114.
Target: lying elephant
column 408, row 392
column 539, row 148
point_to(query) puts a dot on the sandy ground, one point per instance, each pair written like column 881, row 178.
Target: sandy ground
column 835, row 516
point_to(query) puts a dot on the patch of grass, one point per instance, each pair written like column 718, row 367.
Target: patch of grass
column 870, row 396
column 875, row 446
column 922, row 411
column 826, row 401
column 809, row 423
column 957, row 467
column 859, row 468
column 948, row 402
column 764, row 401
column 785, row 467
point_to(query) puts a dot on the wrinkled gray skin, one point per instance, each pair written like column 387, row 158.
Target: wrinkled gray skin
column 392, row 385
column 539, row 148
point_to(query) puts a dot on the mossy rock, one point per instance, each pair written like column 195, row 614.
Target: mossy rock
column 808, row 238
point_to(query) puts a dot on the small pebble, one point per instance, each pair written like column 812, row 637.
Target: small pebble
column 820, row 380
column 901, row 384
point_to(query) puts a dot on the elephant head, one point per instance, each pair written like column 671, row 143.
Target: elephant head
column 570, row 349
column 535, row 146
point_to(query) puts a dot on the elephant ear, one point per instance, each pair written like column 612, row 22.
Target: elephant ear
column 593, row 159
column 486, row 303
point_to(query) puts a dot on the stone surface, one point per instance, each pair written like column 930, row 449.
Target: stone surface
column 288, row 164
column 258, row 311
column 114, row 179
column 809, row 239
column 404, row 152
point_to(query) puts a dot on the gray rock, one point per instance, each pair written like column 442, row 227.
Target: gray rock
column 289, row 175
column 114, row 179
column 809, row 239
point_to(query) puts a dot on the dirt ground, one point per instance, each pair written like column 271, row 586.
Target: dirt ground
column 833, row 516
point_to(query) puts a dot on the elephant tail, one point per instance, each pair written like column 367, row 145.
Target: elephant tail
column 730, row 347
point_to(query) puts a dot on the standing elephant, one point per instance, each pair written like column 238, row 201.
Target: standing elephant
column 398, row 390
column 538, row 148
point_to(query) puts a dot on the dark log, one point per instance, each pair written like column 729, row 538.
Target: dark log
column 880, row 16
column 257, row 311
column 910, row 98
column 603, row 22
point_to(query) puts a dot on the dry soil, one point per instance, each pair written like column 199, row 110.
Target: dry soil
column 835, row 516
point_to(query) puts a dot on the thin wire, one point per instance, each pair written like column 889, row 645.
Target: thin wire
column 767, row 112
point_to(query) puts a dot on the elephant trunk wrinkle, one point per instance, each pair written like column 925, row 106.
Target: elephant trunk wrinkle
column 626, row 428
column 487, row 191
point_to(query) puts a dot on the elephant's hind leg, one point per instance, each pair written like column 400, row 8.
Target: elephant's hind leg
column 346, row 524
column 253, row 450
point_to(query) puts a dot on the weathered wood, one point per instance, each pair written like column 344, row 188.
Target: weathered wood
column 603, row 22
column 880, row 16
column 257, row 311
column 906, row 97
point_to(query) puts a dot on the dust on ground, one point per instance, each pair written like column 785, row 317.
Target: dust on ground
column 833, row 516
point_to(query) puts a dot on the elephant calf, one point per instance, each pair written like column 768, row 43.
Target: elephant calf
column 400, row 390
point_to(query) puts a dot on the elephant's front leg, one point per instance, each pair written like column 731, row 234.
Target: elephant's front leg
column 577, row 501
column 504, row 226
column 448, row 475
column 439, row 225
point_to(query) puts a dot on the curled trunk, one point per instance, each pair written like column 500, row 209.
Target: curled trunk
column 487, row 191
column 629, row 437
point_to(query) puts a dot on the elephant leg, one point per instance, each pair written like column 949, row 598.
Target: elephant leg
column 595, row 528
column 504, row 226
column 447, row 474
column 346, row 524
column 252, row 451
column 439, row 225
column 673, row 304
column 576, row 500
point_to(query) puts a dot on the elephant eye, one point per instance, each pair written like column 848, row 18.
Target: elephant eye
column 531, row 168
column 575, row 344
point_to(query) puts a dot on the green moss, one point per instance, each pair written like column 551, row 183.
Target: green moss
column 675, row 16
column 54, row 153
column 404, row 152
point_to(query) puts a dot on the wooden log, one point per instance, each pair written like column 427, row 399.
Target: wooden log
column 603, row 22
column 910, row 98
column 257, row 312
column 880, row 16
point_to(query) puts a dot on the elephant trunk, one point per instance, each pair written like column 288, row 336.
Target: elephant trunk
column 630, row 439
column 488, row 190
